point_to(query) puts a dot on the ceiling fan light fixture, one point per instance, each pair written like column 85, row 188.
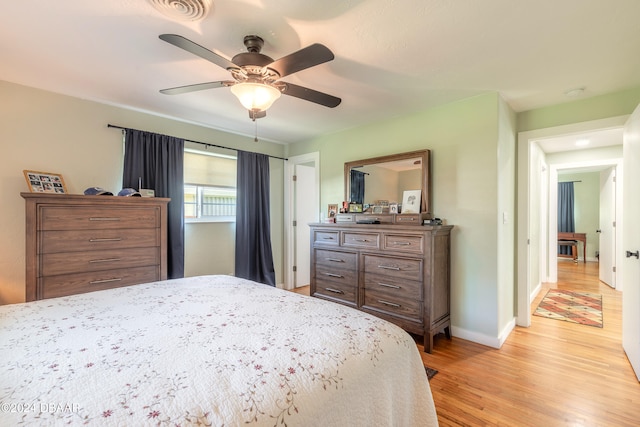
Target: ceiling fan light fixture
column 255, row 96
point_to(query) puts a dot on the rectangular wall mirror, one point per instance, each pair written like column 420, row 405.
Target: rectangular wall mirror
column 386, row 178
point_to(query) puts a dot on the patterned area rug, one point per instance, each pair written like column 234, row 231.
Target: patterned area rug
column 577, row 307
column 430, row 372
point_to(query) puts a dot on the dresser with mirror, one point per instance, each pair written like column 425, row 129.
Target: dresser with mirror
column 387, row 264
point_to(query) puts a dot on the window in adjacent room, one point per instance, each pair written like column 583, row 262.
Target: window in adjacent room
column 210, row 187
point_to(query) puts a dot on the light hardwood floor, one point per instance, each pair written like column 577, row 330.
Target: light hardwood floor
column 553, row 373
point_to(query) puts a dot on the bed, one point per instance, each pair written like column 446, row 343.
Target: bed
column 208, row 350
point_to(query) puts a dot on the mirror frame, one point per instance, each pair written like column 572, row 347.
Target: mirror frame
column 425, row 157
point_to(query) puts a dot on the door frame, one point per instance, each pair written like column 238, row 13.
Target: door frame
column 552, row 258
column 611, row 179
column 526, row 291
column 289, row 210
column 631, row 297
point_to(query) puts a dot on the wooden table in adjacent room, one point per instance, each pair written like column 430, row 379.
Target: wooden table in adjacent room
column 580, row 237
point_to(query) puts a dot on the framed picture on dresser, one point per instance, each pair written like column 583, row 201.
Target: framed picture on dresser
column 411, row 201
column 45, row 182
column 332, row 211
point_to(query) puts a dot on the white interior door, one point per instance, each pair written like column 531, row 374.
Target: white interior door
column 607, row 234
column 305, row 212
column 631, row 241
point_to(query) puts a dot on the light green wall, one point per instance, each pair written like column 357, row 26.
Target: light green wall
column 583, row 110
column 464, row 139
column 49, row 132
column 613, row 152
column 506, row 183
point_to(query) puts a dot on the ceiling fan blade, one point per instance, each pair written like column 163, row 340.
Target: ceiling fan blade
column 310, row 95
column 198, row 50
column 199, row 86
column 310, row 56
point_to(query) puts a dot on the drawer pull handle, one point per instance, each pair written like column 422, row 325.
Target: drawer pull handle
column 362, row 240
column 333, row 275
column 402, row 243
column 104, row 219
column 97, row 282
column 391, row 304
column 334, row 259
column 104, row 260
column 328, row 238
column 335, row 291
column 386, row 285
column 115, row 239
column 387, row 267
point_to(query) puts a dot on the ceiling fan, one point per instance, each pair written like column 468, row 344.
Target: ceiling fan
column 256, row 77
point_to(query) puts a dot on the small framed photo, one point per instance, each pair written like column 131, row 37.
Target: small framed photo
column 411, row 200
column 377, row 209
column 393, row 208
column 332, row 211
column 355, row 207
column 45, row 182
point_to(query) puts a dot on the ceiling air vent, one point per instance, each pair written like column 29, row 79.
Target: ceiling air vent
column 183, row 10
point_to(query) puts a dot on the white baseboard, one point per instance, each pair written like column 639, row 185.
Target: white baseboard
column 504, row 334
column 475, row 337
column 489, row 341
column 534, row 292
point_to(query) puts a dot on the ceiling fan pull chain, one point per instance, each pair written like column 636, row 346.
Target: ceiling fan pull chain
column 256, row 124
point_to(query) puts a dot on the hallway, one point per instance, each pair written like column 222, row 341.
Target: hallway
column 553, row 373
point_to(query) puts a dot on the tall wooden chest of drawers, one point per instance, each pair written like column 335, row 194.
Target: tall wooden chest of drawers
column 397, row 272
column 77, row 243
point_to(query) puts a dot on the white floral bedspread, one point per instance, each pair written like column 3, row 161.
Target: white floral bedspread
column 210, row 350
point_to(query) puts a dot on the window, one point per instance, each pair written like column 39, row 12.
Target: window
column 210, row 187
column 209, row 203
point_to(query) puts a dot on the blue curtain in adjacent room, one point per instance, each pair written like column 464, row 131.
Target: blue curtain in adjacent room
column 357, row 186
column 566, row 221
column 158, row 161
column 254, row 257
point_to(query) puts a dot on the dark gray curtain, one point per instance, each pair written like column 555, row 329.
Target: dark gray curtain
column 159, row 161
column 254, row 258
column 357, row 186
column 566, row 220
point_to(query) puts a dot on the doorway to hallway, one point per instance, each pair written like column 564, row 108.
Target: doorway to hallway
column 537, row 197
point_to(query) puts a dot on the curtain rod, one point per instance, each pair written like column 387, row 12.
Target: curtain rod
column 205, row 143
column 561, row 182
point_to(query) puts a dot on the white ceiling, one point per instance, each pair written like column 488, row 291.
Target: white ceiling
column 393, row 57
column 582, row 141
